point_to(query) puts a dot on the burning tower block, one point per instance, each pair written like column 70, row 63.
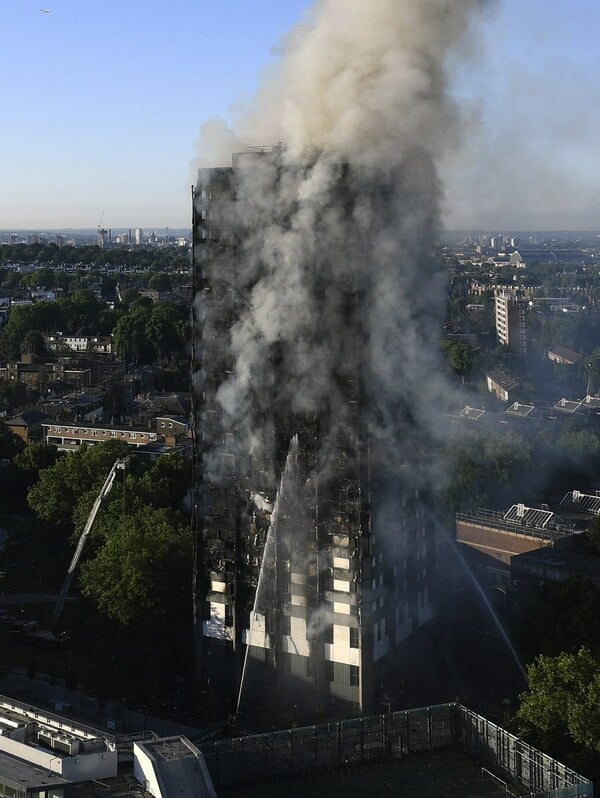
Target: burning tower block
column 313, row 553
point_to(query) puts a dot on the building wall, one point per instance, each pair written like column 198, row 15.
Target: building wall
column 511, row 327
column 329, row 572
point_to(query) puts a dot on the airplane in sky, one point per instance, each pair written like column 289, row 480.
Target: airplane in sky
column 46, row 10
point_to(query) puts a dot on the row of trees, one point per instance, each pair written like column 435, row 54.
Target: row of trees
column 159, row 259
column 146, row 332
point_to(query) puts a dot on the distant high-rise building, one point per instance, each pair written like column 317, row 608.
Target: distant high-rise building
column 139, row 236
column 313, row 563
column 511, row 325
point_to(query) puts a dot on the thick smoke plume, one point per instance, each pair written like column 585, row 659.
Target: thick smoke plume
column 336, row 264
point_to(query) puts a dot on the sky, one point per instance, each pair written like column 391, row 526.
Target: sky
column 101, row 104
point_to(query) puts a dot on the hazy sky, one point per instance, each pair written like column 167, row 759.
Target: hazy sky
column 101, row 103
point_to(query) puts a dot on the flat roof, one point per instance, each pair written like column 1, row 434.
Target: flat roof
column 18, row 773
column 567, row 405
column 167, row 748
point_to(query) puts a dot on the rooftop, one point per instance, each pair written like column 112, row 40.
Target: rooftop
column 504, row 380
column 531, row 516
column 567, row 405
column 520, row 409
column 26, row 775
column 582, row 502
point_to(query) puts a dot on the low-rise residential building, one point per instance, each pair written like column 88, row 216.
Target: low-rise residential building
column 492, row 538
column 101, row 344
column 68, row 436
column 561, row 561
column 149, row 442
column 35, row 372
column 502, row 385
column 563, row 355
column 27, row 425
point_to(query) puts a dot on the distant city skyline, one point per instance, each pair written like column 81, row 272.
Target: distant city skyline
column 103, row 103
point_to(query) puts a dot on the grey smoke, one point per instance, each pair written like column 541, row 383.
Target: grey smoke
column 360, row 101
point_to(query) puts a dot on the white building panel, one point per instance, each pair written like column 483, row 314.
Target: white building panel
column 257, row 634
column 341, row 608
column 342, row 585
column 296, row 642
column 341, row 562
column 216, row 626
column 342, row 654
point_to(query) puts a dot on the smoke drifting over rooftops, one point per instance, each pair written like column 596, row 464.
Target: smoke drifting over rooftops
column 336, row 265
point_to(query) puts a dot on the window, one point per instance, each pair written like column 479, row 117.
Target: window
column 329, row 634
column 329, row 671
column 354, row 676
column 286, row 625
column 354, row 637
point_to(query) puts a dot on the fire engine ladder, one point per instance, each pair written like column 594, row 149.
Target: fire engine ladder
column 106, row 489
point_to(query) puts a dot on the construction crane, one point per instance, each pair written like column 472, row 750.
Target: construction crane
column 106, row 489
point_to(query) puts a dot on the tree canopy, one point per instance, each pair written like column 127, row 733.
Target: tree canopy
column 560, row 712
column 138, row 561
column 142, row 572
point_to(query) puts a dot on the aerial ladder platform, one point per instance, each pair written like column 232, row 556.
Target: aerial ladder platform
column 119, row 464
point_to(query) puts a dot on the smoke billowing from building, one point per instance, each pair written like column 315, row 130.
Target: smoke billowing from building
column 361, row 89
column 321, row 304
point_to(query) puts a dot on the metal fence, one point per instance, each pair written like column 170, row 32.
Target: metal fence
column 328, row 746
column 520, row 763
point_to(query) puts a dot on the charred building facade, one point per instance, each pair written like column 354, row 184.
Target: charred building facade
column 314, row 555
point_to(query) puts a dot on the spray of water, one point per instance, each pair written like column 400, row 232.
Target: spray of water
column 268, row 567
column 450, row 544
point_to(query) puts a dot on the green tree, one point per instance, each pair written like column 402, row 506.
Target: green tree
column 159, row 281
column 593, row 534
column 559, row 617
column 130, row 335
column 142, row 572
column 80, row 312
column 61, row 486
column 461, row 356
column 37, row 456
column 23, row 319
column 560, row 712
column 33, row 343
column 163, row 330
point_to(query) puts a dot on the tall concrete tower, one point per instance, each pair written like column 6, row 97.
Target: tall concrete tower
column 313, row 552
column 511, row 322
